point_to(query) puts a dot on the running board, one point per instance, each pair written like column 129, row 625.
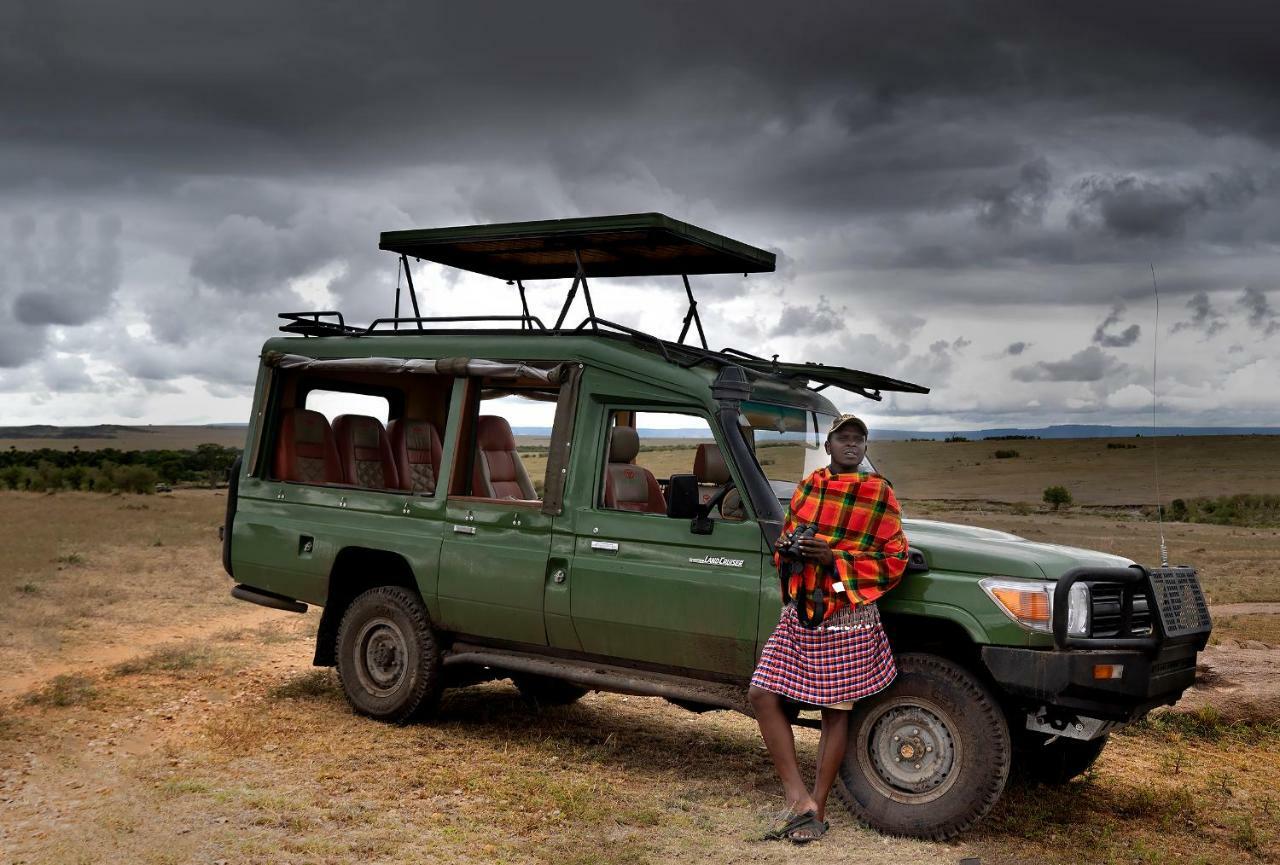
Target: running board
column 605, row 677
column 268, row 599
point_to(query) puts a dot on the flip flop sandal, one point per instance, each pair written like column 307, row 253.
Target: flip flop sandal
column 795, row 822
column 811, row 823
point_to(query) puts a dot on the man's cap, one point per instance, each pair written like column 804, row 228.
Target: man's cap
column 845, row 420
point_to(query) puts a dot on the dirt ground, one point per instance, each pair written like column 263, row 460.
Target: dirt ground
column 147, row 717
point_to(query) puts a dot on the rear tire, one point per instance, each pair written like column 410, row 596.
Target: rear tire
column 388, row 656
column 928, row 756
column 1057, row 762
column 545, row 691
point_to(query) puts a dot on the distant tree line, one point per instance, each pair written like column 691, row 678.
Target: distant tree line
column 112, row 470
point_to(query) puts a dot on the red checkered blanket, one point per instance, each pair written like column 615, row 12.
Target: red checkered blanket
column 858, row 515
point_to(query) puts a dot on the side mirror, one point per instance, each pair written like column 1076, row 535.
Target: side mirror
column 683, row 503
column 682, row 497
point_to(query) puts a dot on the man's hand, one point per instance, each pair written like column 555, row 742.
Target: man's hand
column 818, row 550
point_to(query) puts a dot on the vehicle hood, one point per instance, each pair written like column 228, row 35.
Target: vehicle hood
column 975, row 550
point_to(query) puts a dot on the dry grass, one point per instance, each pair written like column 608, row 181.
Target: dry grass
column 1263, row 628
column 230, row 746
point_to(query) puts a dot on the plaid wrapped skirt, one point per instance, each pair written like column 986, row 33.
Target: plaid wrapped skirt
column 846, row 658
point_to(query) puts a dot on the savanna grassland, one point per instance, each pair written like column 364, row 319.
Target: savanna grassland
column 147, row 717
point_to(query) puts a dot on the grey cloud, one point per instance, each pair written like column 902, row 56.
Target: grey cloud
column 66, row 374
column 1204, row 317
column 819, row 318
column 905, row 324
column 63, row 277
column 1090, row 364
column 1022, row 201
column 1126, row 337
column 1130, row 206
column 1016, row 348
column 1260, row 313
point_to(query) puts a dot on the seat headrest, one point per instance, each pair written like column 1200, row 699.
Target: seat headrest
column 709, row 466
column 307, row 426
column 361, row 430
column 493, row 433
column 624, row 444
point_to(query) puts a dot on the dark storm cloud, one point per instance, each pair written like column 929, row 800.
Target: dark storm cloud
column 1134, row 207
column 1024, row 200
column 1090, row 364
column 1016, row 348
column 1204, row 317
column 1126, row 337
column 1260, row 313
column 921, row 157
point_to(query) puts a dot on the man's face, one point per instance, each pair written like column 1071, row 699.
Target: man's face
column 846, row 446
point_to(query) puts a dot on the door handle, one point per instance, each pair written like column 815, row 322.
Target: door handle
column 607, row 546
column 464, row 530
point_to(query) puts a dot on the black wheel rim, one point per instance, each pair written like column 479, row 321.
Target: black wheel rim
column 381, row 656
column 908, row 750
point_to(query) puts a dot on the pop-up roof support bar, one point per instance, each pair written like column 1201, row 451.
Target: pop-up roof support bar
column 579, row 278
column 413, row 295
column 691, row 315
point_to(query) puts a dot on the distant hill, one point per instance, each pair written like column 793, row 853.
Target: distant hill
column 1063, row 431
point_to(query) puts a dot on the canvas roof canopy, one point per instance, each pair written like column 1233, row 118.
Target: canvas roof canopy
column 640, row 244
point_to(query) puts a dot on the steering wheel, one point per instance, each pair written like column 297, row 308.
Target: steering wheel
column 718, row 500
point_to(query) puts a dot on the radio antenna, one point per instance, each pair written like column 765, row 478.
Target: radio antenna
column 1155, row 432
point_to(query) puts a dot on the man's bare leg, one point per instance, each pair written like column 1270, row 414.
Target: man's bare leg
column 781, row 742
column 831, row 748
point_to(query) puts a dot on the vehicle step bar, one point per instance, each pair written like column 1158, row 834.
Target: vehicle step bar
column 605, row 677
column 268, row 599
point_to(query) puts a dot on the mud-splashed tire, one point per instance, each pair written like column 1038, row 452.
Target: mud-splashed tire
column 543, row 691
column 947, row 765
column 1055, row 763
column 388, row 656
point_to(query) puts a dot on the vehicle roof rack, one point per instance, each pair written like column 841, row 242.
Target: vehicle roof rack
column 870, row 385
column 636, row 244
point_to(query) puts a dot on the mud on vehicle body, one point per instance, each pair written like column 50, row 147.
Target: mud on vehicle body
column 628, row 550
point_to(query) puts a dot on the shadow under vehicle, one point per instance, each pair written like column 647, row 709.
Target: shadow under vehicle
column 623, row 541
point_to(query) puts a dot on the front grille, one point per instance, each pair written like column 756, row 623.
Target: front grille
column 1107, row 612
column 1181, row 602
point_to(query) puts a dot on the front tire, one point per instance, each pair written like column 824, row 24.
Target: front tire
column 1055, row 763
column 928, row 756
column 388, row 656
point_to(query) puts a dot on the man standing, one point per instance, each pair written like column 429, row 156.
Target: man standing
column 829, row 647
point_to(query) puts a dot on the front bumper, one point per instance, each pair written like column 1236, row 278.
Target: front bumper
column 1158, row 621
column 1064, row 679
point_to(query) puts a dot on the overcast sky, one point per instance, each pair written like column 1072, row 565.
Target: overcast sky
column 966, row 195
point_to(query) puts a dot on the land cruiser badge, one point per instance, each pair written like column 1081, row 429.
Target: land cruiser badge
column 716, row 560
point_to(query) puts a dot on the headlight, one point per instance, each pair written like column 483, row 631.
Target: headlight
column 1027, row 602
column 1078, row 607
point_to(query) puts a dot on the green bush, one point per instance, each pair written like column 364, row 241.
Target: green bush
column 135, row 479
column 1057, row 496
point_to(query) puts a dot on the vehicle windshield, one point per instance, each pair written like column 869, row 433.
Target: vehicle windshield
column 788, row 440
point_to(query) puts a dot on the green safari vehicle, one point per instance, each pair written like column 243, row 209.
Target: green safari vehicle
column 589, row 506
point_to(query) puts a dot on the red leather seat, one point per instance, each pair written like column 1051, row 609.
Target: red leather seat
column 415, row 444
column 365, row 452
column 710, row 469
column 627, row 486
column 499, row 473
column 305, row 451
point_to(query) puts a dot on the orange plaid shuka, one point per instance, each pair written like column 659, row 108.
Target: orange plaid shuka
column 859, row 516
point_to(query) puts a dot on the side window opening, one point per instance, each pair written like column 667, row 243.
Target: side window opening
column 646, row 448
column 508, row 429
column 373, row 431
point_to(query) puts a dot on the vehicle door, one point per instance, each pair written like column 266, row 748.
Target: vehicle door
column 493, row 560
column 645, row 587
